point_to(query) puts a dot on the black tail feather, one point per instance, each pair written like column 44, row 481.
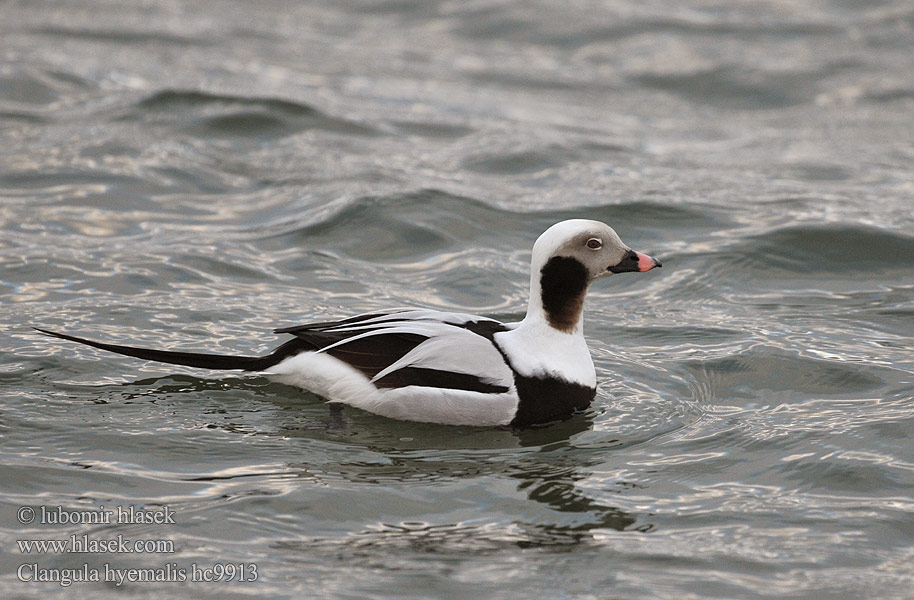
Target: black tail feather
column 192, row 359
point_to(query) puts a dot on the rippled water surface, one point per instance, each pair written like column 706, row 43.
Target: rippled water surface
column 192, row 174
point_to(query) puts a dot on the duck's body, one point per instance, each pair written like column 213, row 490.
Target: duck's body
column 436, row 367
column 452, row 368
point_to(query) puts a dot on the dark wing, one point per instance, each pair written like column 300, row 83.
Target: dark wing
column 375, row 343
column 382, row 343
column 438, row 378
column 374, row 353
column 330, row 325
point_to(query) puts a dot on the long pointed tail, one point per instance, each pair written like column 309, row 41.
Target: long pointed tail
column 188, row 359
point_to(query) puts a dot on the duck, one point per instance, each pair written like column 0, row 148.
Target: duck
column 451, row 368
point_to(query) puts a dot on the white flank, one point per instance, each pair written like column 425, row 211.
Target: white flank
column 333, row 379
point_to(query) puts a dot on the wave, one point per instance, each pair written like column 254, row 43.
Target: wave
column 833, row 248
column 218, row 115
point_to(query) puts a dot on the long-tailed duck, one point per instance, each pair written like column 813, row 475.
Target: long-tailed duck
column 452, row 368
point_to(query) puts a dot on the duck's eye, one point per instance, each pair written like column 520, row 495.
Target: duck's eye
column 594, row 243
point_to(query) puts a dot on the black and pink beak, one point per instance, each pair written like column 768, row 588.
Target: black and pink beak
column 635, row 262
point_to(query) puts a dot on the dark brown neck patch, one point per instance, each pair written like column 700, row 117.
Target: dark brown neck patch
column 563, row 283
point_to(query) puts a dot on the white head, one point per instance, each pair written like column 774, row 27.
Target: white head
column 566, row 259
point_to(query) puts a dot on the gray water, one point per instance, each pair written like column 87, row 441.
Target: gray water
column 189, row 175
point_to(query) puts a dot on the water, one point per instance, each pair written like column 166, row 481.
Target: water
column 192, row 174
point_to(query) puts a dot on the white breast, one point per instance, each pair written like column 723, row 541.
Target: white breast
column 535, row 350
